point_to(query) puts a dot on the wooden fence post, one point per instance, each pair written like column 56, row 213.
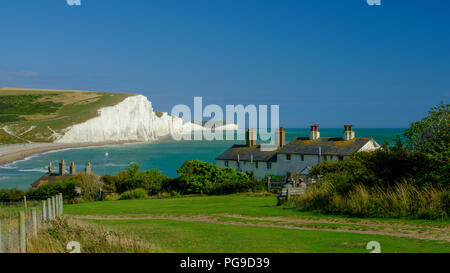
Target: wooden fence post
column 1, row 237
column 22, row 233
column 44, row 212
column 62, row 202
column 53, row 207
column 25, row 202
column 34, row 221
column 49, row 209
column 268, row 183
column 288, row 193
column 56, row 206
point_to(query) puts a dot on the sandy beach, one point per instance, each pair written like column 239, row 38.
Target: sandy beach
column 15, row 152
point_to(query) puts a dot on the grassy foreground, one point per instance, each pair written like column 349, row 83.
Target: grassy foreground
column 242, row 223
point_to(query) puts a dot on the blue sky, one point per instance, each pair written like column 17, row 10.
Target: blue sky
column 326, row 62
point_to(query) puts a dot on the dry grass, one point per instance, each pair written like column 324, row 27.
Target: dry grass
column 402, row 200
column 92, row 238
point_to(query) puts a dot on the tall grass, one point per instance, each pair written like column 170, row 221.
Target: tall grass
column 401, row 200
column 92, row 239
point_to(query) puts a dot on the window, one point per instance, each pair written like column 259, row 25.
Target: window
column 288, row 156
column 269, row 165
column 340, row 158
column 226, row 163
column 238, row 164
column 324, row 158
column 256, row 165
column 302, row 157
column 331, row 157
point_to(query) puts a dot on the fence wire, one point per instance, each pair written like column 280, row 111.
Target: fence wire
column 9, row 223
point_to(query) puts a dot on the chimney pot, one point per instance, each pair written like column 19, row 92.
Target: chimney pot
column 348, row 133
column 314, row 134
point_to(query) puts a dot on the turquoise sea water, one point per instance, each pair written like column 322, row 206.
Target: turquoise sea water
column 166, row 157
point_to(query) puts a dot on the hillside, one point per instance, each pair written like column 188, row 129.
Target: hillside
column 28, row 115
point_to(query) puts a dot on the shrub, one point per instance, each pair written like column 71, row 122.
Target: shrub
column 133, row 194
column 109, row 183
column 196, row 175
column 402, row 200
column 133, row 178
column 66, row 187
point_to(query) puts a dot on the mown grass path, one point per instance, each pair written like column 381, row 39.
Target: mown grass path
column 240, row 223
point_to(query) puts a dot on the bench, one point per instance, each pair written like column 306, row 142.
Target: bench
column 286, row 193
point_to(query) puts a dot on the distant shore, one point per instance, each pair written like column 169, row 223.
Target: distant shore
column 14, row 152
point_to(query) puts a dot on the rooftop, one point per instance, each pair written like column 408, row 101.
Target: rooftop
column 246, row 152
column 47, row 179
column 328, row 146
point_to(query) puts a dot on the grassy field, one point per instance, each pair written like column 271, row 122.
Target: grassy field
column 241, row 223
column 34, row 115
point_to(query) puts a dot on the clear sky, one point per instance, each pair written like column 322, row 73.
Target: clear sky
column 328, row 62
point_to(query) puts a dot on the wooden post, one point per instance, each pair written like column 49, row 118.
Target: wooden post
column 44, row 212
column 34, row 220
column 53, row 207
column 62, row 203
column 56, row 206
column 288, row 193
column 22, row 233
column 268, row 183
column 25, row 201
column 1, row 237
column 49, row 209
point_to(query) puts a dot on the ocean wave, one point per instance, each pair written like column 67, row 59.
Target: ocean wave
column 116, row 165
column 41, row 170
column 8, row 167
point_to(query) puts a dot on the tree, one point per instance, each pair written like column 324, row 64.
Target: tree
column 431, row 136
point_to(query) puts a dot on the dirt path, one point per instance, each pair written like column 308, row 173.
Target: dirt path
column 287, row 223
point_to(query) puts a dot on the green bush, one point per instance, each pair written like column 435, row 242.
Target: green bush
column 133, row 178
column 67, row 188
column 133, row 194
column 195, row 175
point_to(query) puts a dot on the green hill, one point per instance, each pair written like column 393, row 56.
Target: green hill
column 28, row 115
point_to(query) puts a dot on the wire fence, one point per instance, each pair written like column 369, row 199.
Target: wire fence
column 20, row 221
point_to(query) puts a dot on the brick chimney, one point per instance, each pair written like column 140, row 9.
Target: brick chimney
column 250, row 138
column 281, row 137
column 87, row 170
column 51, row 169
column 72, row 168
column 348, row 133
column 62, row 167
column 314, row 134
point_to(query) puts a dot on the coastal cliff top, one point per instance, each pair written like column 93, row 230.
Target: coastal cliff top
column 35, row 115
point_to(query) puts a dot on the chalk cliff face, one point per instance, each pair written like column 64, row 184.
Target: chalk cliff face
column 132, row 119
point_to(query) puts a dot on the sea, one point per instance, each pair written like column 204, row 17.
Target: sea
column 164, row 156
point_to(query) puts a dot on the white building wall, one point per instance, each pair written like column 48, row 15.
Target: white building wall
column 282, row 166
column 246, row 166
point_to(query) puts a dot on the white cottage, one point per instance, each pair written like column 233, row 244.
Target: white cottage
column 296, row 156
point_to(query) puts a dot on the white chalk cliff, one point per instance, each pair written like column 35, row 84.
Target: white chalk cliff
column 132, row 119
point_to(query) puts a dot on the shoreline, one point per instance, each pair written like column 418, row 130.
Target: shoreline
column 16, row 152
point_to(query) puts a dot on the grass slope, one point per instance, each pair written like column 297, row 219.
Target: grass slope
column 29, row 115
column 240, row 223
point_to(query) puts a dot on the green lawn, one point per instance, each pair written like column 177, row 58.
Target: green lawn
column 183, row 236
column 240, row 223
